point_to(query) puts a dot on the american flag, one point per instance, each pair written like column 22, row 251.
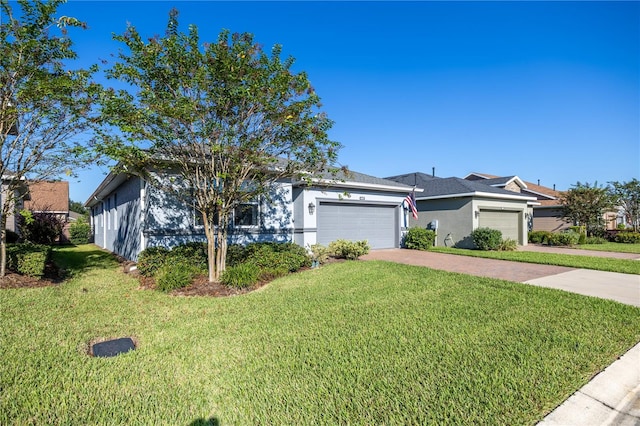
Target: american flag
column 411, row 201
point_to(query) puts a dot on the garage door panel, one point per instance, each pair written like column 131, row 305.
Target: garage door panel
column 508, row 222
column 375, row 223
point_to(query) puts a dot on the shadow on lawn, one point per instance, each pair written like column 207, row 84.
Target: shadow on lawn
column 74, row 260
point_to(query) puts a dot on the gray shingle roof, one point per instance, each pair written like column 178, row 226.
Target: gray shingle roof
column 441, row 187
column 420, row 180
column 357, row 177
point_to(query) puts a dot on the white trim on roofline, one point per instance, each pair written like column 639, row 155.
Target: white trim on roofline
column 480, row 194
column 359, row 185
column 550, row 197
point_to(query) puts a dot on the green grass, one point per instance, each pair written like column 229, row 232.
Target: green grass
column 625, row 266
column 614, row 247
column 349, row 343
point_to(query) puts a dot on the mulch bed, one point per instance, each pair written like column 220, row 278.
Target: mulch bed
column 52, row 276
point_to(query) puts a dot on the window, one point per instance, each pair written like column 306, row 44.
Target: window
column 246, row 215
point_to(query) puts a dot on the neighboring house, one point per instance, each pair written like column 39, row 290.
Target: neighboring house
column 547, row 214
column 455, row 207
column 49, row 197
column 128, row 214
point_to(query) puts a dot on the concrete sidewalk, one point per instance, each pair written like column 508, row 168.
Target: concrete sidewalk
column 611, row 398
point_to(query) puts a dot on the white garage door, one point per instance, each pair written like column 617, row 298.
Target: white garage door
column 508, row 222
column 355, row 222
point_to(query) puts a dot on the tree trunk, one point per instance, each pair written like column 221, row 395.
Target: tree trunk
column 211, row 246
column 3, row 249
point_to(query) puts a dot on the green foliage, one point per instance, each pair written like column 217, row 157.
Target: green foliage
column 39, row 228
column 419, row 238
column 538, row 237
column 595, row 240
column 242, row 275
column 79, row 231
column 172, row 275
column 486, row 238
column 151, row 259
column 236, row 253
column 345, row 249
column 277, row 256
column 319, row 253
column 28, row 258
column 226, row 110
column 44, row 102
column 626, row 195
column 508, row 244
column 621, row 226
column 194, row 252
column 568, row 238
column 585, row 204
column 78, row 207
column 628, row 237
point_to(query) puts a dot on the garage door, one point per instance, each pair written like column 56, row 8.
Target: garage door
column 375, row 223
column 508, row 222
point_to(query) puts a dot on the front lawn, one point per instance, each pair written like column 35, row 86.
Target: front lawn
column 624, row 266
column 614, row 247
column 349, row 343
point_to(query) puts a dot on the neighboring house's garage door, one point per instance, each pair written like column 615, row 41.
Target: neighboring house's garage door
column 375, row 223
column 508, row 222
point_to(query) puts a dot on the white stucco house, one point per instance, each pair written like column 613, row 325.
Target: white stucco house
column 128, row 214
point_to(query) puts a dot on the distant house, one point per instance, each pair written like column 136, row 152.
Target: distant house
column 49, row 197
column 547, row 214
column 128, row 214
column 455, row 207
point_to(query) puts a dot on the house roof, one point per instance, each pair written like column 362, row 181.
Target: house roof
column 451, row 187
column 547, row 197
column 50, row 196
column 420, row 180
column 358, row 180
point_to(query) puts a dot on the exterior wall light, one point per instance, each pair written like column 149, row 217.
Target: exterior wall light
column 477, row 213
column 312, row 208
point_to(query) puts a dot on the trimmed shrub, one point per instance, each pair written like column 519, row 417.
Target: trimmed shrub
column 419, row 238
column 242, row 275
column 595, row 240
column 235, row 254
column 319, row 253
column 563, row 239
column 79, row 232
column 627, row 237
column 171, row 276
column 508, row 245
column 151, row 259
column 28, row 259
column 538, row 237
column 195, row 253
column 286, row 256
column 486, row 238
column 351, row 250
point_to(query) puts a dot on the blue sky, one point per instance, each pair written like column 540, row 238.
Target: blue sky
column 543, row 90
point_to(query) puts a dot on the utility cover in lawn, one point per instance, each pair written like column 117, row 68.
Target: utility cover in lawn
column 113, row 347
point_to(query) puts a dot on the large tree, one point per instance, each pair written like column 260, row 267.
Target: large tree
column 226, row 118
column 43, row 103
column 586, row 204
column 626, row 196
